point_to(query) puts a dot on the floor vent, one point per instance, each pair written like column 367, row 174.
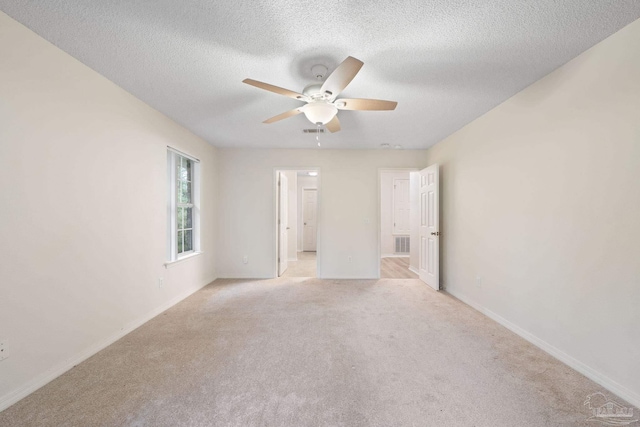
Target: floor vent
column 313, row 130
column 402, row 244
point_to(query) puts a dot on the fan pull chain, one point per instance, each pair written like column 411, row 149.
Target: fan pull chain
column 318, row 134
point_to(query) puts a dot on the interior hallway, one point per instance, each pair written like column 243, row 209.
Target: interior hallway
column 390, row 267
column 396, row 268
column 305, row 266
column 310, row 352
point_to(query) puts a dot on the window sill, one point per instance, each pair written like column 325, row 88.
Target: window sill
column 169, row 264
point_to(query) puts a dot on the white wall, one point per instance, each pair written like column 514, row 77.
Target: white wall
column 83, row 211
column 303, row 182
column 387, row 241
column 347, row 216
column 541, row 199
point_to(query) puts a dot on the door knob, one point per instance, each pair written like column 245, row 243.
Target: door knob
column 437, row 233
column 288, row 228
column 305, row 223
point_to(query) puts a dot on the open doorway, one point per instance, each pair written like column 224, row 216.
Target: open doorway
column 297, row 192
column 398, row 232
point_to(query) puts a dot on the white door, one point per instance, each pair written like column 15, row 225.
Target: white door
column 401, row 206
column 283, row 222
column 429, row 232
column 309, row 208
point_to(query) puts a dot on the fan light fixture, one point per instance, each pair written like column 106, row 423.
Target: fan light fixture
column 320, row 112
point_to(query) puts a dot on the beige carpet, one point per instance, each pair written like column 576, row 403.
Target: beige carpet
column 309, row 352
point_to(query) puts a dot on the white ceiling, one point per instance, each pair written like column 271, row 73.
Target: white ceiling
column 446, row 62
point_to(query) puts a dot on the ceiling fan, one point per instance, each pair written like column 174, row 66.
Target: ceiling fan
column 321, row 106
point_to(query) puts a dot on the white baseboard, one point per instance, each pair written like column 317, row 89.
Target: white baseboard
column 53, row 373
column 414, row 270
column 292, row 259
column 394, row 256
column 597, row 377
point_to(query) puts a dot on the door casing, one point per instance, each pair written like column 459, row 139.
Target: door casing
column 275, row 216
column 378, row 215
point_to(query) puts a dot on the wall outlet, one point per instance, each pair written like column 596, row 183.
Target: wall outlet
column 160, row 283
column 478, row 281
column 245, row 259
column 4, row 351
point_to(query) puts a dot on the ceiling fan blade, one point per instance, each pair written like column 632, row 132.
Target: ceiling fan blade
column 333, row 125
column 282, row 116
column 341, row 76
column 275, row 89
column 365, row 104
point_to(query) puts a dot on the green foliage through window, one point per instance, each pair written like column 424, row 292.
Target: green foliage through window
column 184, row 205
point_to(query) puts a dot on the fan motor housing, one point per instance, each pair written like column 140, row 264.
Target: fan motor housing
column 313, row 91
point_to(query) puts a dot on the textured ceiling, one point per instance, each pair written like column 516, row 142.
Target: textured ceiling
column 446, row 62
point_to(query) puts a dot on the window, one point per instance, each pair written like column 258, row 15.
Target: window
column 183, row 206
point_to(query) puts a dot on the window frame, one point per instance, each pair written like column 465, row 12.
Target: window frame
column 173, row 205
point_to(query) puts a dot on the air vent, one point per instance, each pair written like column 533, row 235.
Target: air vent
column 402, row 244
column 313, row 130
